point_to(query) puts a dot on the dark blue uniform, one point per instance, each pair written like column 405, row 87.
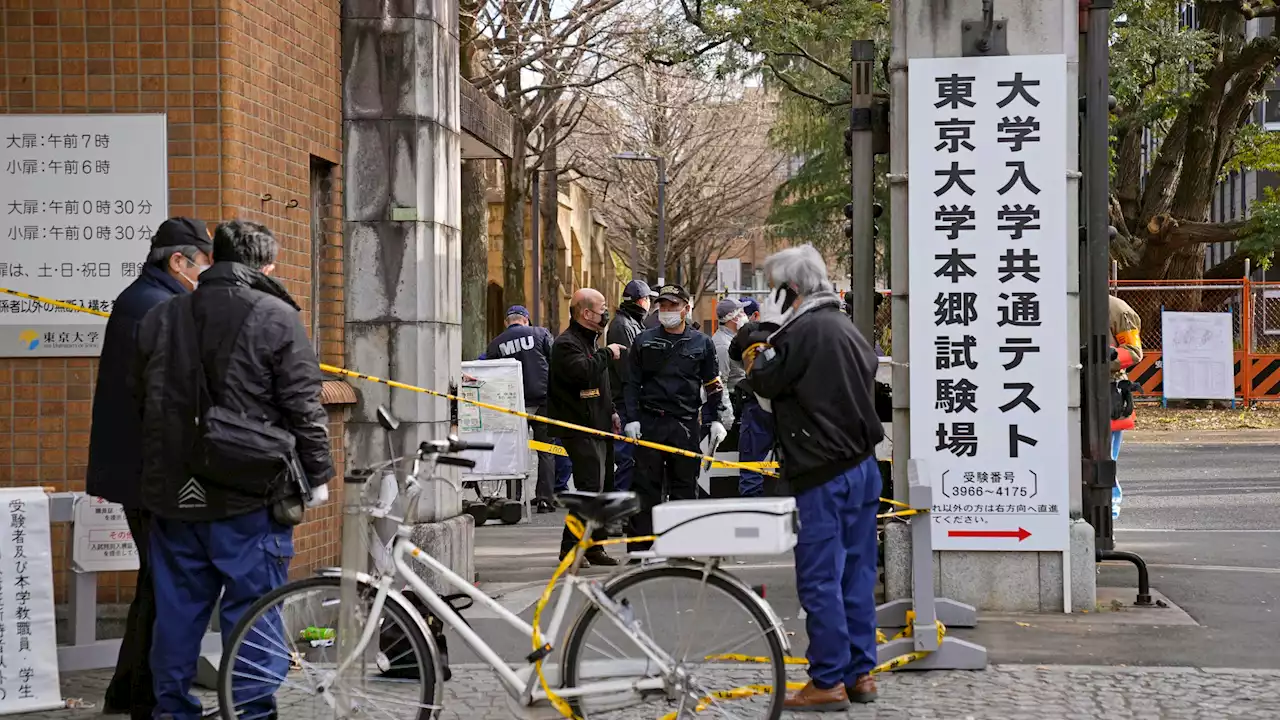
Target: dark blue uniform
column 531, row 345
column 666, row 376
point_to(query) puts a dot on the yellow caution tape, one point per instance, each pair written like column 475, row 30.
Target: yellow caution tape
column 762, row 468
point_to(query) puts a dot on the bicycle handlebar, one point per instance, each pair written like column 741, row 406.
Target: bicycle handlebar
column 456, row 461
column 451, row 445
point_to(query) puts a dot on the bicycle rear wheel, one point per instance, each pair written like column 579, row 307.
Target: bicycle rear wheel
column 281, row 660
column 728, row 654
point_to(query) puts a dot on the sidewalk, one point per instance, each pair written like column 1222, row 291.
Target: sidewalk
column 1204, row 437
column 1002, row 692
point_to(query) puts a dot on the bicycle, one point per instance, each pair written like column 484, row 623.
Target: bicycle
column 658, row 676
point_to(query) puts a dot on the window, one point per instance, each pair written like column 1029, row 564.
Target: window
column 1271, row 110
column 322, row 211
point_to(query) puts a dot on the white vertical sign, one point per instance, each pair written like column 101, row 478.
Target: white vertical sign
column 28, row 641
column 988, row 277
column 729, row 274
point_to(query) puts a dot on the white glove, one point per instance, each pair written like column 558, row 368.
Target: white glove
column 632, row 430
column 765, row 404
column 319, row 496
column 774, row 309
column 718, row 434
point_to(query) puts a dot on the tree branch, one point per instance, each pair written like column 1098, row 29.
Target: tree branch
column 803, row 93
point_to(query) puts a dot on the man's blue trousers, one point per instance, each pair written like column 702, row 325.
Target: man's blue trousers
column 836, row 574
column 243, row 558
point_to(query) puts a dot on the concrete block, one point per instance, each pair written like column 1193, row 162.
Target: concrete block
column 452, row 543
column 366, row 153
column 403, row 272
column 991, row 580
column 1084, row 568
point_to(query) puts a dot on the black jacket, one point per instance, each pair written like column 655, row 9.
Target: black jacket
column 257, row 360
column 115, row 438
column 820, row 379
column 579, row 388
column 532, row 347
column 667, row 373
column 626, row 325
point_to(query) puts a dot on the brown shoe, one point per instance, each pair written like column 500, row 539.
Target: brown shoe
column 811, row 698
column 863, row 690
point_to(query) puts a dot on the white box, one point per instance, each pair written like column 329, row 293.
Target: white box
column 725, row 527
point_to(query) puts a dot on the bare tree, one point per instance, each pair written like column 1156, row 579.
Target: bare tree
column 722, row 172
column 536, row 59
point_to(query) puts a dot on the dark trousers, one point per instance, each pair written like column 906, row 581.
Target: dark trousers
column 836, row 556
column 588, row 455
column 243, row 558
column 660, row 475
column 564, row 468
column 624, row 459
column 755, row 441
column 130, row 690
column 541, row 431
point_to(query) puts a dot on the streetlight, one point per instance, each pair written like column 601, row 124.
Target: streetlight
column 662, row 206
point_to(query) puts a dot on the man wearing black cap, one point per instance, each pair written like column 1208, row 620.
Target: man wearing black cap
column 627, row 324
column 180, row 251
column 672, row 377
column 530, row 345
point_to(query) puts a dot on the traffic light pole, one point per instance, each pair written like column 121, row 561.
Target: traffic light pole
column 862, row 247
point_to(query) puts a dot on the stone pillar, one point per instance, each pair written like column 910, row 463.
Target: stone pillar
column 996, row 581
column 402, row 229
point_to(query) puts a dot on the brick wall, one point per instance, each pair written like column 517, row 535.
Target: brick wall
column 252, row 90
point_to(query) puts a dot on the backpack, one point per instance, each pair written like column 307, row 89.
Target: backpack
column 393, row 643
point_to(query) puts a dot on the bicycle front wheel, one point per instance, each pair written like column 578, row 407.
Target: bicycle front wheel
column 281, row 660
column 727, row 654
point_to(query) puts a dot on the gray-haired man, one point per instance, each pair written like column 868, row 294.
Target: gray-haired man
column 816, row 373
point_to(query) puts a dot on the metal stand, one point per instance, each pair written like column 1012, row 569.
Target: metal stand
column 952, row 653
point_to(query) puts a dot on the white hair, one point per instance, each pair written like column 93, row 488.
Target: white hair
column 801, row 267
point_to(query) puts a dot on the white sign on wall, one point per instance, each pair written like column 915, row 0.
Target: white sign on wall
column 729, row 274
column 80, row 198
column 28, row 642
column 988, row 277
column 101, row 539
column 1199, row 355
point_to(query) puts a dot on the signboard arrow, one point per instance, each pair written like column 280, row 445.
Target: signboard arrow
column 1020, row 533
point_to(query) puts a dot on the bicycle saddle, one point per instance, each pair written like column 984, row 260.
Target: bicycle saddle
column 600, row 508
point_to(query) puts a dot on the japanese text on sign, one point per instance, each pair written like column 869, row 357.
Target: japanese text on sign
column 988, row 205
column 28, row 645
column 101, row 539
column 80, row 198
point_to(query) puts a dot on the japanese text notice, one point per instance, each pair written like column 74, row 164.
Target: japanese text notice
column 988, row 277
column 28, row 644
column 80, row 198
column 101, row 539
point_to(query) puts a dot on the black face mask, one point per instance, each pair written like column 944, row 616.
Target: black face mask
column 604, row 317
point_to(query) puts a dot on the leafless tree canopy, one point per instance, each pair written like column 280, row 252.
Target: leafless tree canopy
column 721, row 169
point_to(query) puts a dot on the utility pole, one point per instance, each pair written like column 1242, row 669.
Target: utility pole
column 662, row 219
column 860, row 147
column 535, row 217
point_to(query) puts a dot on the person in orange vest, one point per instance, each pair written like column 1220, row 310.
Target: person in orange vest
column 1126, row 333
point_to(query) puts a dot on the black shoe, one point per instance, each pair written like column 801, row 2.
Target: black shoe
column 598, row 557
column 545, row 506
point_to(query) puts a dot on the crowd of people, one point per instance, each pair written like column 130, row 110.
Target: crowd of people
column 790, row 375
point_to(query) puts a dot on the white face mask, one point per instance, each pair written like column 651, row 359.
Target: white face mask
column 670, row 319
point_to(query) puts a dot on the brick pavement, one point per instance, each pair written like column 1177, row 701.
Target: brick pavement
column 1006, row 692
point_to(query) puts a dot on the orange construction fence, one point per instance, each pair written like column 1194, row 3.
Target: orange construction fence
column 1255, row 309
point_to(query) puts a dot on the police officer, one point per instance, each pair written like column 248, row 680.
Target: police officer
column 532, row 347
column 623, row 329
column 672, row 375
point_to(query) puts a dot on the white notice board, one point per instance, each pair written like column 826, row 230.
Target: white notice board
column 1199, row 355
column 28, row 643
column 990, row 361
column 101, row 538
column 80, row 198
column 501, row 383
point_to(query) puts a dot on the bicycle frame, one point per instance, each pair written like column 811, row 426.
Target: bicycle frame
column 521, row 682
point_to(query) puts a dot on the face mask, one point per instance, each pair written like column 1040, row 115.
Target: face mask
column 604, row 318
column 670, row 320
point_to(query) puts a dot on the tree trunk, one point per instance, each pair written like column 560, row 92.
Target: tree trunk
column 475, row 260
column 551, row 275
column 515, row 188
